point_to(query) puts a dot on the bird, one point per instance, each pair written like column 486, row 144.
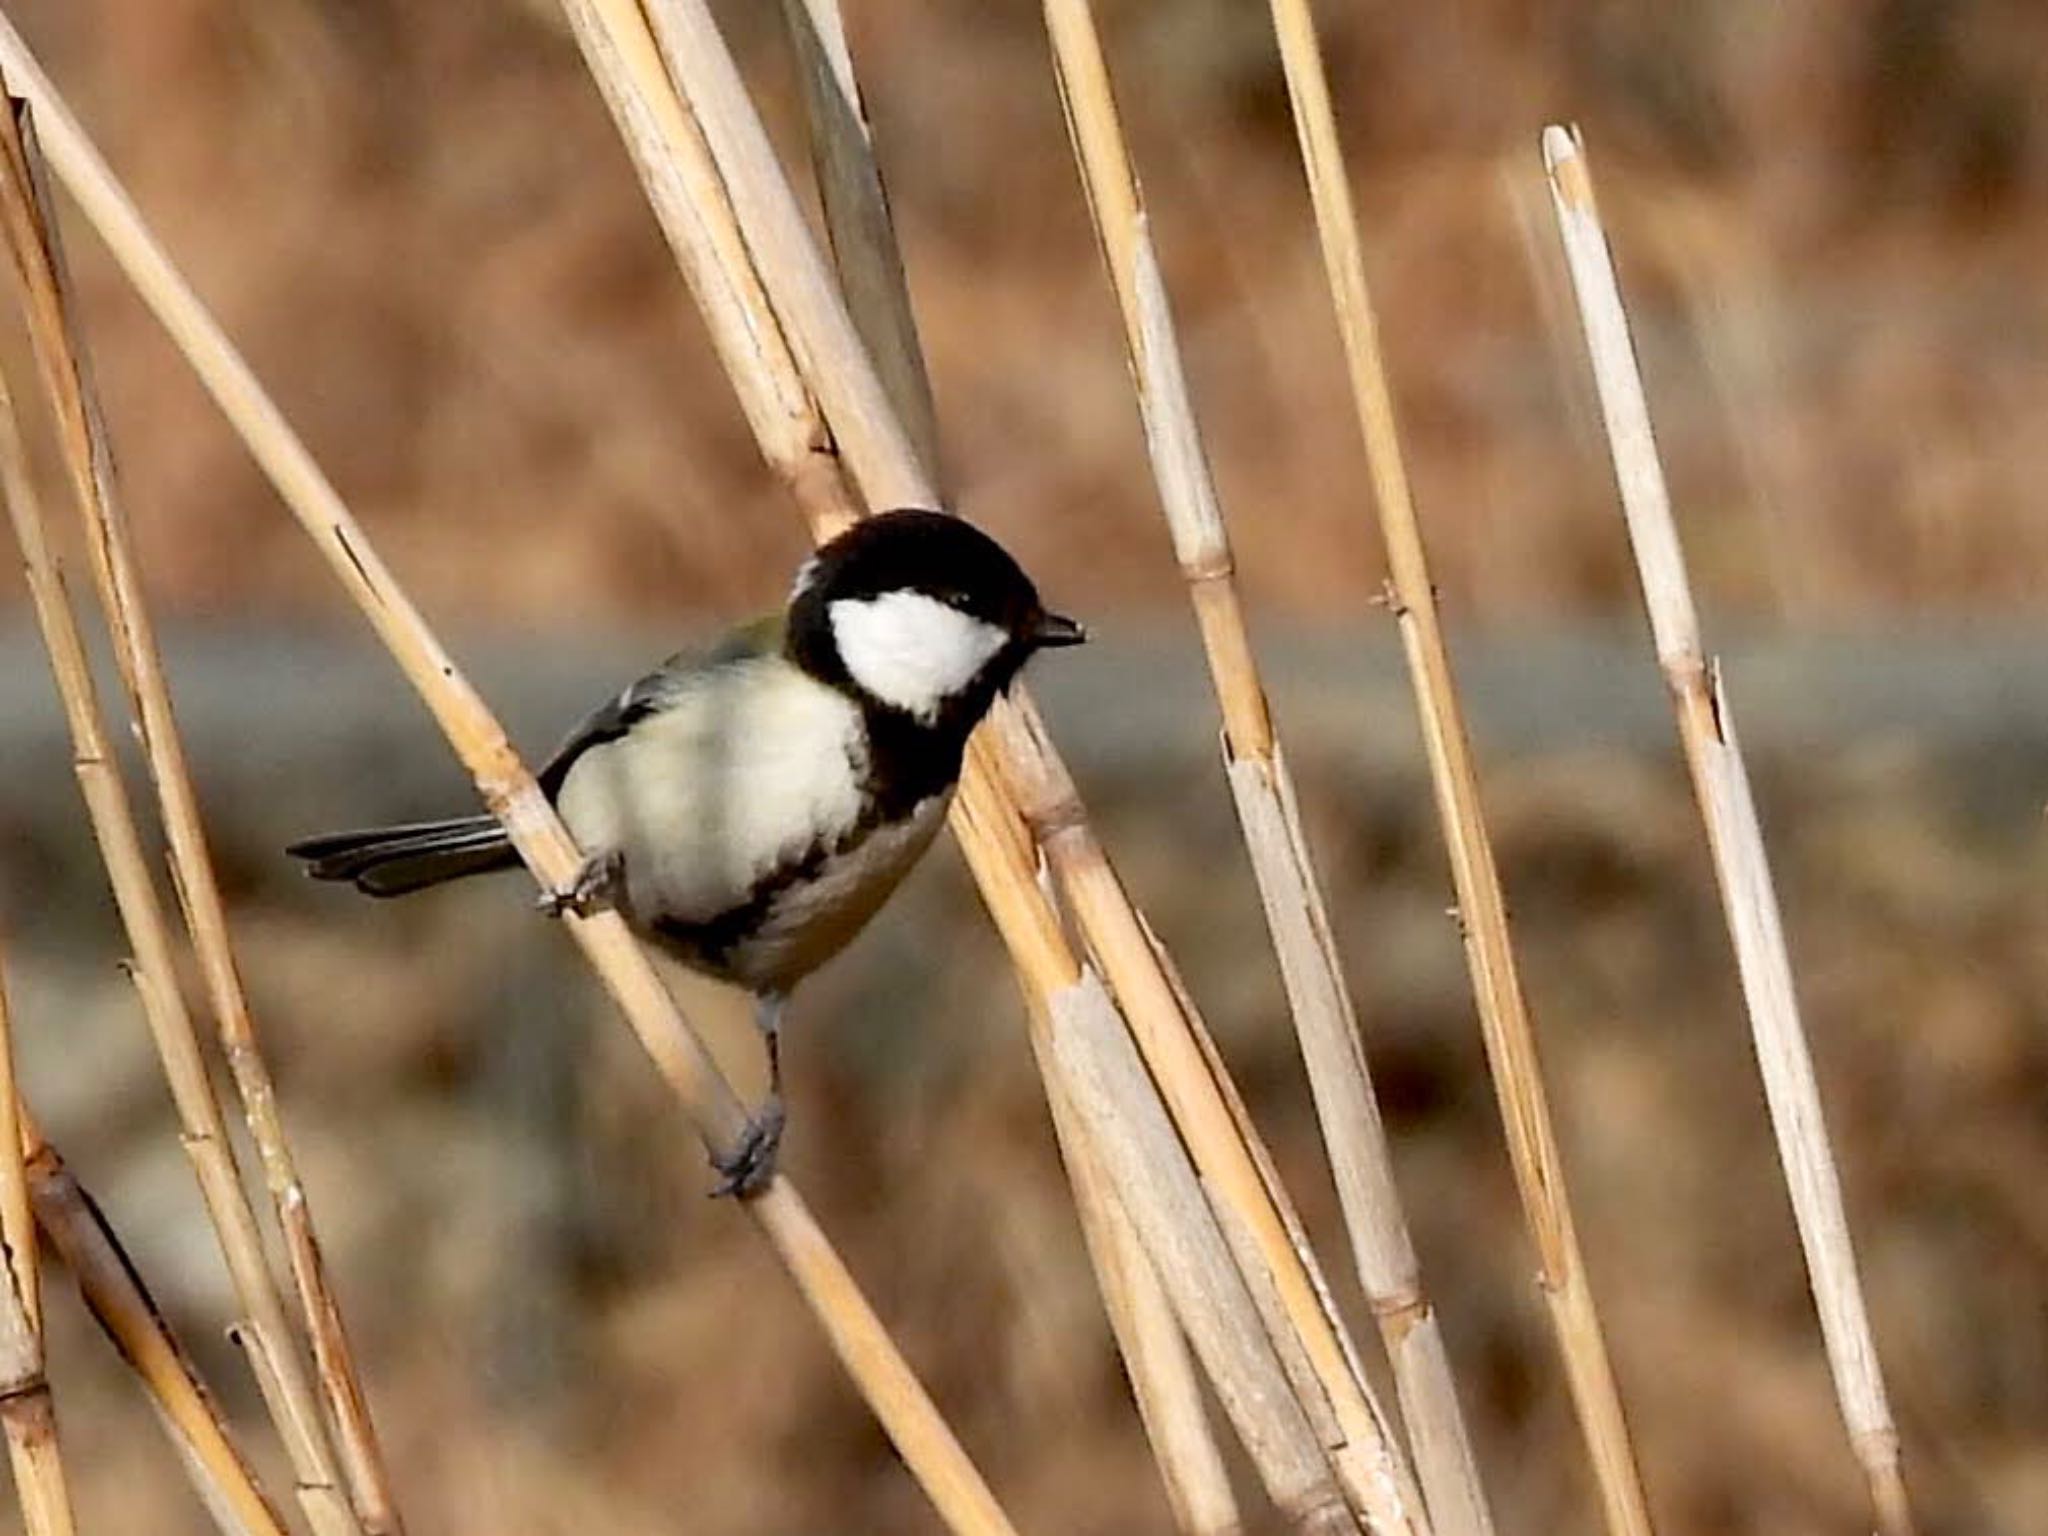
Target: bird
column 749, row 806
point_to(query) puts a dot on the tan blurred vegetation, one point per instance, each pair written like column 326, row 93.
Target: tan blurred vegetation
column 418, row 221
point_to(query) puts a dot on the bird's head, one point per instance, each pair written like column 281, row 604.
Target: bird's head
column 921, row 614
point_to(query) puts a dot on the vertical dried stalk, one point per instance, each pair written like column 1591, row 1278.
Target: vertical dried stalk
column 1091, row 1068
column 682, row 184
column 857, row 217
column 871, row 274
column 1721, row 785
column 1172, row 1040
column 1264, row 793
column 674, row 169
column 1154, row 1350
column 27, row 1411
column 113, row 1292
column 884, row 466
column 264, row 1332
column 17, row 1215
column 1489, row 951
column 856, row 1334
column 88, row 458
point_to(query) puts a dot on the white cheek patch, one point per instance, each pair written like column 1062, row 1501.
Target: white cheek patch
column 911, row 650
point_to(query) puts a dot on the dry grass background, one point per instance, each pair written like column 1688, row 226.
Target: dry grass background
column 419, row 222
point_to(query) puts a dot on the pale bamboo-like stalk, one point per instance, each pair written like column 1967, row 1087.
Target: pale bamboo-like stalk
column 28, row 1413
column 813, row 473
column 88, row 458
column 17, row 1214
column 1720, row 782
column 1092, row 1068
column 857, row 217
column 677, row 167
column 1482, row 909
column 1264, row 793
column 863, row 1345
column 112, row 1289
column 1155, row 1352
column 870, row 267
column 1256, row 1217
column 265, row 1334
column 884, row 467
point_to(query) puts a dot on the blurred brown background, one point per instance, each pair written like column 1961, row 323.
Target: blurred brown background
column 417, row 220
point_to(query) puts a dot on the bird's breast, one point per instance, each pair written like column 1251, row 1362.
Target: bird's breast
column 803, row 915
column 752, row 846
column 746, row 770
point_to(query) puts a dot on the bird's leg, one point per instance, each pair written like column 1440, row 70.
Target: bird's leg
column 597, row 885
column 747, row 1169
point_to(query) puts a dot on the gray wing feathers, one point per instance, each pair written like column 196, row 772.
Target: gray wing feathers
column 390, row 861
column 657, row 691
column 611, row 721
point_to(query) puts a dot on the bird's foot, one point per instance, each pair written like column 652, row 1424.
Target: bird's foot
column 747, row 1169
column 596, row 887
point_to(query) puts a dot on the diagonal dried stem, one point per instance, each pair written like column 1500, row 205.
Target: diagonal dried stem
column 870, row 268
column 1091, row 1068
column 28, row 1413
column 89, row 460
column 1720, row 781
column 265, row 1333
column 17, row 1215
column 885, row 469
column 675, row 168
column 1482, row 911
column 856, row 1334
column 112, row 1288
column 1155, row 1352
column 1264, row 793
column 857, row 217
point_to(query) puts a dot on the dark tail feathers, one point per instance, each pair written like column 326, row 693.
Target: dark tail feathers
column 390, row 861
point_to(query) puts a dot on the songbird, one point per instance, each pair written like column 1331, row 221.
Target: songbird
column 749, row 807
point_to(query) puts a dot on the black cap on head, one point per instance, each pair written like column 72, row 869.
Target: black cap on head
column 926, row 552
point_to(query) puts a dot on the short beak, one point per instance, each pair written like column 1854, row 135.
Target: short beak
column 1056, row 629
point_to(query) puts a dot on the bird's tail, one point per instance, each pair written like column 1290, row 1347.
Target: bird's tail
column 390, row 861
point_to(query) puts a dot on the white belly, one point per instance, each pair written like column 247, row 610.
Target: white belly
column 742, row 801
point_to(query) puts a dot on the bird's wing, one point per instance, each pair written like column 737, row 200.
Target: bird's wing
column 658, row 690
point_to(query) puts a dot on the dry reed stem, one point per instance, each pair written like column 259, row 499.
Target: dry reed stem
column 1154, row 1350
column 1274, row 1259
column 88, row 456
column 113, row 1291
column 1091, row 1067
column 870, row 266
column 1482, row 910
column 1721, row 785
column 884, row 466
column 857, row 218
column 27, row 1411
column 264, row 1332
column 618, row 50
column 1263, row 789
column 17, row 1215
column 681, row 182
column 856, row 1334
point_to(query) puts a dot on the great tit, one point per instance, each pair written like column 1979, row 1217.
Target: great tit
column 747, row 808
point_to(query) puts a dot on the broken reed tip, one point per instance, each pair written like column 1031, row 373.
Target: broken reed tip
column 1564, row 159
column 1561, row 142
